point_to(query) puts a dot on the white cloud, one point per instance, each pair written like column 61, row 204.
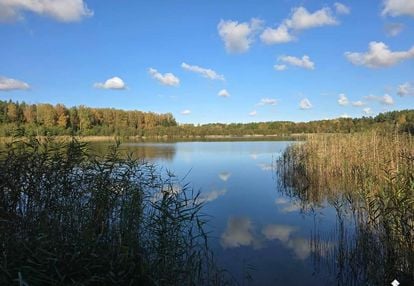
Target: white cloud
column 8, row 84
column 62, row 10
column 344, row 115
column 304, row 62
column 253, row 113
column 277, row 35
column 358, row 103
column 405, row 89
column 393, row 29
column 398, row 7
column 165, row 79
column 301, row 19
column 223, row 93
column 238, row 37
column 367, row 111
column 186, row 112
column 385, row 99
column 341, row 8
column 305, row 104
column 280, row 67
column 207, row 73
column 267, row 101
column 378, row 56
column 343, row 100
column 112, row 83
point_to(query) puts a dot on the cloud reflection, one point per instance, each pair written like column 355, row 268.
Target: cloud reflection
column 239, row 232
column 211, row 196
column 224, row 176
column 265, row 167
column 300, row 246
column 286, row 206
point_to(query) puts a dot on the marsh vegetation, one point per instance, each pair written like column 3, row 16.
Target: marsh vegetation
column 369, row 179
column 69, row 217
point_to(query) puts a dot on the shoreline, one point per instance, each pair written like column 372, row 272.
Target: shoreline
column 91, row 139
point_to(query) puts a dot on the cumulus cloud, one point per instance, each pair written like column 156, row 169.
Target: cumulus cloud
column 112, row 83
column 344, row 115
column 253, row 113
column 62, row 10
column 280, row 67
column 367, row 111
column 267, row 101
column 398, row 7
column 385, row 99
column 276, row 35
column 186, row 112
column 378, row 56
column 238, row 37
column 393, row 29
column 205, row 72
column 165, row 79
column 304, row 62
column 358, row 103
column 305, row 104
column 223, row 93
column 343, row 100
column 300, row 19
column 8, row 84
column 341, row 8
column 405, row 89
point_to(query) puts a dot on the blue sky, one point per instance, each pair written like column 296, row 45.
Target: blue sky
column 211, row 60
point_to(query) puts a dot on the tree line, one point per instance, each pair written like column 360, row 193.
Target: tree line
column 47, row 119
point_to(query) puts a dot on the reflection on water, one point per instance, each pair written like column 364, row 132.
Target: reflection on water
column 149, row 151
column 265, row 231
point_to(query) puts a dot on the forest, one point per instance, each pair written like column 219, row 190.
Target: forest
column 52, row 120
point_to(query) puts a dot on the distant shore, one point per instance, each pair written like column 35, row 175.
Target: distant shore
column 166, row 138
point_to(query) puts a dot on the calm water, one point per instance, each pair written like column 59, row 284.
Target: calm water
column 260, row 235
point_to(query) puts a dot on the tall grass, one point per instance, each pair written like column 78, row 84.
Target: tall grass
column 67, row 217
column 369, row 178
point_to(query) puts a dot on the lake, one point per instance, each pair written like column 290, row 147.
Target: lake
column 258, row 233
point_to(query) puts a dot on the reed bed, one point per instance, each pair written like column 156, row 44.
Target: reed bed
column 70, row 218
column 369, row 179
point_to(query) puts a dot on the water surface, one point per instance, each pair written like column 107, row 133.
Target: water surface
column 260, row 235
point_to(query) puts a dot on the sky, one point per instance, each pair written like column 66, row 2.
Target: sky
column 211, row 60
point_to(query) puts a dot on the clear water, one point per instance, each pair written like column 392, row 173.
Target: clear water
column 259, row 235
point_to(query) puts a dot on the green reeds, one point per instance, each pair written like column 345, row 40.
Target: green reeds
column 370, row 177
column 67, row 217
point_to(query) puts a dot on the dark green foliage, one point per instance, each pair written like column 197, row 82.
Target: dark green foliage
column 45, row 119
column 70, row 218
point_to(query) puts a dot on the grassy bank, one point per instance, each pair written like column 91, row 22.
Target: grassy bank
column 369, row 177
column 67, row 217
